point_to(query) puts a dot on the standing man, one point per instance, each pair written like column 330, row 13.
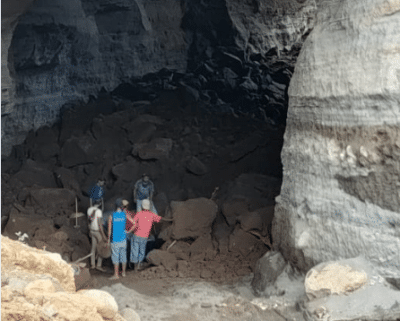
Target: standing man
column 96, row 193
column 117, row 223
column 129, row 225
column 144, row 189
column 143, row 221
column 95, row 216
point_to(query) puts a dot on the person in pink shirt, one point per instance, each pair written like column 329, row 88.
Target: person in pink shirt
column 143, row 222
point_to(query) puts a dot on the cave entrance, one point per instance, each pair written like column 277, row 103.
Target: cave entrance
column 189, row 152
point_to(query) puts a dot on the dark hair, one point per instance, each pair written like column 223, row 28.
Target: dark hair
column 118, row 202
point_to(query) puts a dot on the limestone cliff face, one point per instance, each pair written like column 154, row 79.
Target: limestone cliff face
column 62, row 51
column 340, row 196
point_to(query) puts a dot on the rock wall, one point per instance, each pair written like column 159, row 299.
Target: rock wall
column 341, row 155
column 9, row 19
column 62, row 52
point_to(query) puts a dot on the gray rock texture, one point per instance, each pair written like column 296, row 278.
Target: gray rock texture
column 64, row 51
column 61, row 52
column 341, row 155
column 10, row 13
column 268, row 269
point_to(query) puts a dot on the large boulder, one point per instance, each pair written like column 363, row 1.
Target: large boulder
column 76, row 150
column 68, row 180
column 330, row 286
column 156, row 149
column 129, row 314
column 164, row 258
column 233, row 209
column 14, row 253
column 29, row 224
column 104, row 302
column 37, row 285
column 267, row 270
column 127, row 171
column 193, row 218
column 242, row 242
column 140, row 132
column 33, row 173
column 53, row 199
column 260, row 219
column 196, row 166
column 202, row 248
column 341, row 151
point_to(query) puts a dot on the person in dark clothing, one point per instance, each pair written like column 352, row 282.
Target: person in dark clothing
column 96, row 194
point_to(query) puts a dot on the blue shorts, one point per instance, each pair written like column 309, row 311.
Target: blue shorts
column 118, row 252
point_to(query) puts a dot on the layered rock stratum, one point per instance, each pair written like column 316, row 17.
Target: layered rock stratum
column 341, row 155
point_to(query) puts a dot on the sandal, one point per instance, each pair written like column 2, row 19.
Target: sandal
column 99, row 268
column 123, row 274
column 114, row 277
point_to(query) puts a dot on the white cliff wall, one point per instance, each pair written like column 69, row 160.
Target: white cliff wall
column 340, row 196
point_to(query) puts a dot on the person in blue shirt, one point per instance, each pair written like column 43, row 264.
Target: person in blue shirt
column 144, row 189
column 117, row 239
column 96, row 194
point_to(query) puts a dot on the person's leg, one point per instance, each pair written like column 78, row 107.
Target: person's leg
column 142, row 254
column 93, row 252
column 114, row 259
column 142, row 249
column 123, row 258
column 134, row 250
column 129, row 250
column 99, row 264
column 138, row 205
column 99, row 258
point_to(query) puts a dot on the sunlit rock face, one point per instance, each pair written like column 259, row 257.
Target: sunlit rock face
column 340, row 196
column 63, row 51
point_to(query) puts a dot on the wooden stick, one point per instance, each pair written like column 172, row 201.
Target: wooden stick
column 265, row 240
column 171, row 245
column 83, row 258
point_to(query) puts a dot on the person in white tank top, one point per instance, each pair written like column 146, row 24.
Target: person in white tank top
column 95, row 216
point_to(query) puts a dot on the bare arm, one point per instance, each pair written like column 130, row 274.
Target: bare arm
column 133, row 224
column 99, row 220
column 109, row 229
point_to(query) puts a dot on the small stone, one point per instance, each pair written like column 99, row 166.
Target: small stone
column 205, row 274
column 206, row 305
